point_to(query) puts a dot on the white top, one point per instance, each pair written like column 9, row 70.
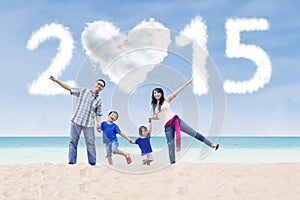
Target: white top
column 165, row 113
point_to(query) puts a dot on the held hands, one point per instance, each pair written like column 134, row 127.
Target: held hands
column 131, row 142
column 152, row 118
column 99, row 128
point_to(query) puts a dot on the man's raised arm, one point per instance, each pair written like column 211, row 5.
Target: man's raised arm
column 63, row 85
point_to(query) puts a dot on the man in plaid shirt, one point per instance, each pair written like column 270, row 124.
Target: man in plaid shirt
column 88, row 107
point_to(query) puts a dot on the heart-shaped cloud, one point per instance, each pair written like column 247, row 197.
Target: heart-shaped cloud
column 126, row 58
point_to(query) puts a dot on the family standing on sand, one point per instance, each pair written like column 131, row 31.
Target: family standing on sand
column 89, row 107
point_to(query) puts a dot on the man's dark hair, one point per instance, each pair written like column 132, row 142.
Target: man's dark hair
column 102, row 81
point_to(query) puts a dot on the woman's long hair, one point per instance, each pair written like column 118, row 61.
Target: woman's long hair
column 154, row 101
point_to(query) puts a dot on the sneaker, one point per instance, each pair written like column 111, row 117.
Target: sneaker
column 128, row 159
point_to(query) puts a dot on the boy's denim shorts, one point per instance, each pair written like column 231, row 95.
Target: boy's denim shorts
column 111, row 147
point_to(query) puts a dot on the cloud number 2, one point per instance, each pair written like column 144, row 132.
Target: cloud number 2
column 42, row 85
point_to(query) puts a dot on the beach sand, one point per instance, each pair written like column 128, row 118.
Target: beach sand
column 179, row 181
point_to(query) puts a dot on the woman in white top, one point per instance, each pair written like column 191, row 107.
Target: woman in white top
column 173, row 124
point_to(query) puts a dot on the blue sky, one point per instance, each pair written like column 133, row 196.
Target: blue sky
column 272, row 110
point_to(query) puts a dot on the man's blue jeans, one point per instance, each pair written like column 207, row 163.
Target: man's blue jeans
column 89, row 135
column 184, row 127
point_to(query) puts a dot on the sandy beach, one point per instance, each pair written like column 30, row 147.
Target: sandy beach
column 179, row 181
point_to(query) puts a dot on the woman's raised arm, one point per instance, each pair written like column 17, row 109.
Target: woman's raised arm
column 174, row 94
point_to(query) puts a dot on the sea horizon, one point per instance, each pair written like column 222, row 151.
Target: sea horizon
column 233, row 149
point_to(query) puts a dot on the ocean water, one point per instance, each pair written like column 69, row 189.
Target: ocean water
column 24, row 150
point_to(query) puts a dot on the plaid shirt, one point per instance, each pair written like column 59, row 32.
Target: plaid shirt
column 86, row 107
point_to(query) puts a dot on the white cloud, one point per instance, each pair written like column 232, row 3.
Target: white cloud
column 126, row 58
column 42, row 85
column 236, row 49
column 197, row 34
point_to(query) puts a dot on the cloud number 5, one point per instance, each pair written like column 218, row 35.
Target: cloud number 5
column 234, row 49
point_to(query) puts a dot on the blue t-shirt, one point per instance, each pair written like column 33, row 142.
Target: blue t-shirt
column 144, row 144
column 109, row 132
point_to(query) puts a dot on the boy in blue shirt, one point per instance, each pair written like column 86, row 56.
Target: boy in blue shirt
column 110, row 139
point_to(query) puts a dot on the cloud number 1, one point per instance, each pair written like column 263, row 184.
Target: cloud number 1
column 42, row 85
column 197, row 34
